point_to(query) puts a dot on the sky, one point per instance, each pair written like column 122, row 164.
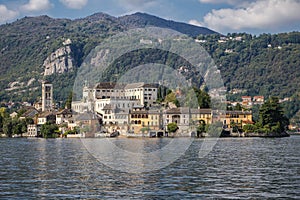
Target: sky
column 225, row 16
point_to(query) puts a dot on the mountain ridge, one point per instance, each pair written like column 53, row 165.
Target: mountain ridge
column 151, row 20
column 26, row 43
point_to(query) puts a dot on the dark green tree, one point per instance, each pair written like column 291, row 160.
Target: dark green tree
column 69, row 101
column 238, row 107
column 203, row 98
column 271, row 116
column 172, row 127
column 7, row 127
column 49, row 130
column 201, row 128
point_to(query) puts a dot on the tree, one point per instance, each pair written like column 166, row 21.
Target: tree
column 201, row 128
column 171, row 97
column 16, row 127
column 271, row 116
column 1, row 123
column 238, row 107
column 49, row 130
column 7, row 127
column 69, row 101
column 249, row 128
column 3, row 112
column 172, row 127
column 203, row 98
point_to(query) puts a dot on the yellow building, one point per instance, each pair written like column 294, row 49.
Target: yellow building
column 198, row 115
column 142, row 120
column 155, row 119
column 239, row 118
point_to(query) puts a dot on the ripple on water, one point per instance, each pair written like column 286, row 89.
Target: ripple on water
column 235, row 168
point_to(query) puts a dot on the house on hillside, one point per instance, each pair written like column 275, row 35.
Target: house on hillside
column 246, row 101
column 46, row 116
column 30, row 113
column 258, row 99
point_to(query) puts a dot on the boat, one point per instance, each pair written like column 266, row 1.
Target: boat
column 114, row 134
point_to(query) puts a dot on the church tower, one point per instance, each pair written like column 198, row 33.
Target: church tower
column 47, row 96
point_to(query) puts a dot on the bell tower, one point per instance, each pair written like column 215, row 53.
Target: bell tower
column 47, row 96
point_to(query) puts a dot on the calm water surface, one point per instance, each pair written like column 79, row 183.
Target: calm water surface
column 235, row 168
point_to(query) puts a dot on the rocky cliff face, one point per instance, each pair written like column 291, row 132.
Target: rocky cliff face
column 59, row 61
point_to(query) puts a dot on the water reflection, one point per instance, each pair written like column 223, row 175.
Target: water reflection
column 235, row 168
column 137, row 156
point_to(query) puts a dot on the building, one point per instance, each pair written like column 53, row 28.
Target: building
column 126, row 95
column 144, row 120
column 258, row 99
column 32, row 130
column 155, row 119
column 47, row 96
column 246, row 101
column 139, row 119
column 45, row 117
column 237, row 118
column 201, row 115
column 112, row 114
column 38, row 106
column 145, row 93
column 88, row 123
column 123, row 104
column 64, row 116
column 14, row 114
column 30, row 113
column 180, row 116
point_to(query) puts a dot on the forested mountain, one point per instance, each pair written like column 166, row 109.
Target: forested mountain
column 26, row 43
column 250, row 65
column 266, row 65
column 140, row 20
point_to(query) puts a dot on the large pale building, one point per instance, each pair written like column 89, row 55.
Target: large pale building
column 123, row 96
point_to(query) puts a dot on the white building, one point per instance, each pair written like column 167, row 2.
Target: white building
column 122, row 95
column 32, row 130
column 145, row 93
column 180, row 116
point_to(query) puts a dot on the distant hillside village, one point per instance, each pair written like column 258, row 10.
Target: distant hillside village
column 128, row 109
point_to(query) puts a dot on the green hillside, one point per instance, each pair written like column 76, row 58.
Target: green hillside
column 267, row 65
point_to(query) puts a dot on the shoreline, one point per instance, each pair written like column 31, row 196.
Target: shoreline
column 222, row 135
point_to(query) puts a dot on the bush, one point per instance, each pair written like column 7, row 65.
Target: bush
column 172, row 127
column 249, row 128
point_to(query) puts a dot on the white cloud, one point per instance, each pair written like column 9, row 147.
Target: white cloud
column 37, row 5
column 231, row 2
column 256, row 15
column 74, row 4
column 196, row 23
column 6, row 14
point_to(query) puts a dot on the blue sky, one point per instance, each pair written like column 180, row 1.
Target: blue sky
column 224, row 16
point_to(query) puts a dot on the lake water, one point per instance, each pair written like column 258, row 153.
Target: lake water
column 235, row 168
